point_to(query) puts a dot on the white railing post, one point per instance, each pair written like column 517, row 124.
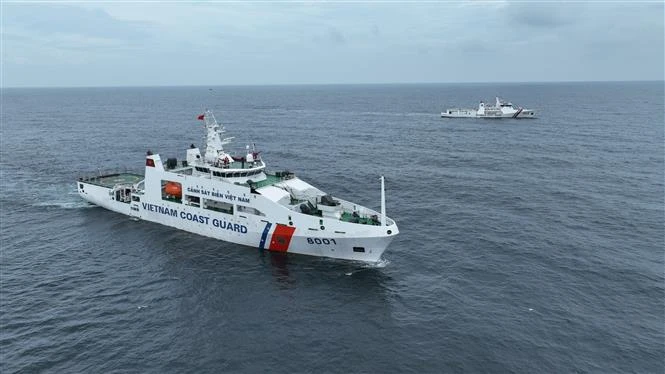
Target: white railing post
column 383, row 202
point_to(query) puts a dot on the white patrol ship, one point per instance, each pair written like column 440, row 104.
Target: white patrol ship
column 501, row 109
column 236, row 200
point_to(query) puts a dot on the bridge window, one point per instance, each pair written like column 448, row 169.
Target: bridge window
column 218, row 206
column 193, row 200
column 250, row 210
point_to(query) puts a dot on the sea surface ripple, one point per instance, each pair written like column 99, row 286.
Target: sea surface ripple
column 525, row 246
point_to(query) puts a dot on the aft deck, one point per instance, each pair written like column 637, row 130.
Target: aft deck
column 110, row 180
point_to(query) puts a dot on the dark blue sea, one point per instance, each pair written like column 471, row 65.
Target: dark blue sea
column 525, row 246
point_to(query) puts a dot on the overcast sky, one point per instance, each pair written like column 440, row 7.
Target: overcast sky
column 167, row 43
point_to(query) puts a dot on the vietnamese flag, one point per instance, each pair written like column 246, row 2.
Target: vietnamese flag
column 200, row 117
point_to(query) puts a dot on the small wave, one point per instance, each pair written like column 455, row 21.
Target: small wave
column 394, row 114
column 382, row 263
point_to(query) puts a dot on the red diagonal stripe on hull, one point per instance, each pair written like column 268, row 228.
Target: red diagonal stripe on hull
column 281, row 238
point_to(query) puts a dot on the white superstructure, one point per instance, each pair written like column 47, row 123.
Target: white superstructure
column 501, row 109
column 233, row 198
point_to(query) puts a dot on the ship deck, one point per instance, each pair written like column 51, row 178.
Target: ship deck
column 365, row 220
column 110, row 180
column 269, row 181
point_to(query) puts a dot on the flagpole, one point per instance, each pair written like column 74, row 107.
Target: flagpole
column 383, row 202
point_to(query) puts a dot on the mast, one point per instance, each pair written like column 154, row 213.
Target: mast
column 215, row 139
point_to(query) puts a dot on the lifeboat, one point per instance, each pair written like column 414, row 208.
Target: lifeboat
column 173, row 189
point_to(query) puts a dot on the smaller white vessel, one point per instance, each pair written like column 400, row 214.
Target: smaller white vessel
column 502, row 109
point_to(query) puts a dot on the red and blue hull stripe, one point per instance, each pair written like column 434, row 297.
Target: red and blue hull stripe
column 264, row 236
column 279, row 239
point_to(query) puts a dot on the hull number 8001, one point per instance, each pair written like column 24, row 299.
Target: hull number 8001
column 321, row 241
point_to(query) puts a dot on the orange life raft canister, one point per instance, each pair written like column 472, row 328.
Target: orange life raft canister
column 174, row 189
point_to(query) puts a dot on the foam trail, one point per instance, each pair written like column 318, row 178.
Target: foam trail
column 66, row 204
column 62, row 196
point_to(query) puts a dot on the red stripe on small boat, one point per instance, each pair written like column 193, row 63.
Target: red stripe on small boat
column 281, row 238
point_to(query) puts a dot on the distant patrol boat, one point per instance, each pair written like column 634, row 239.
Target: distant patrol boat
column 501, row 109
column 233, row 198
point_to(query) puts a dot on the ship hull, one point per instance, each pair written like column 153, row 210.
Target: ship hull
column 339, row 240
column 472, row 113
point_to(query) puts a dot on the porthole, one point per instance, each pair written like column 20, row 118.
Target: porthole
column 323, row 227
column 390, row 232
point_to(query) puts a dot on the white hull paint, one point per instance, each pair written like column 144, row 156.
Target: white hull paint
column 500, row 110
column 495, row 116
column 336, row 244
column 262, row 217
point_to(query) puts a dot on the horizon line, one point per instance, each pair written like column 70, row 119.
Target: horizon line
column 336, row 84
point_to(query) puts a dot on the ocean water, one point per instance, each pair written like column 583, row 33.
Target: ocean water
column 525, row 246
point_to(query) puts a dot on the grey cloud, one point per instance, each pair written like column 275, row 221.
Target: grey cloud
column 13, row 37
column 375, row 31
column 331, row 36
column 335, row 36
column 543, row 15
column 305, row 43
column 48, row 19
